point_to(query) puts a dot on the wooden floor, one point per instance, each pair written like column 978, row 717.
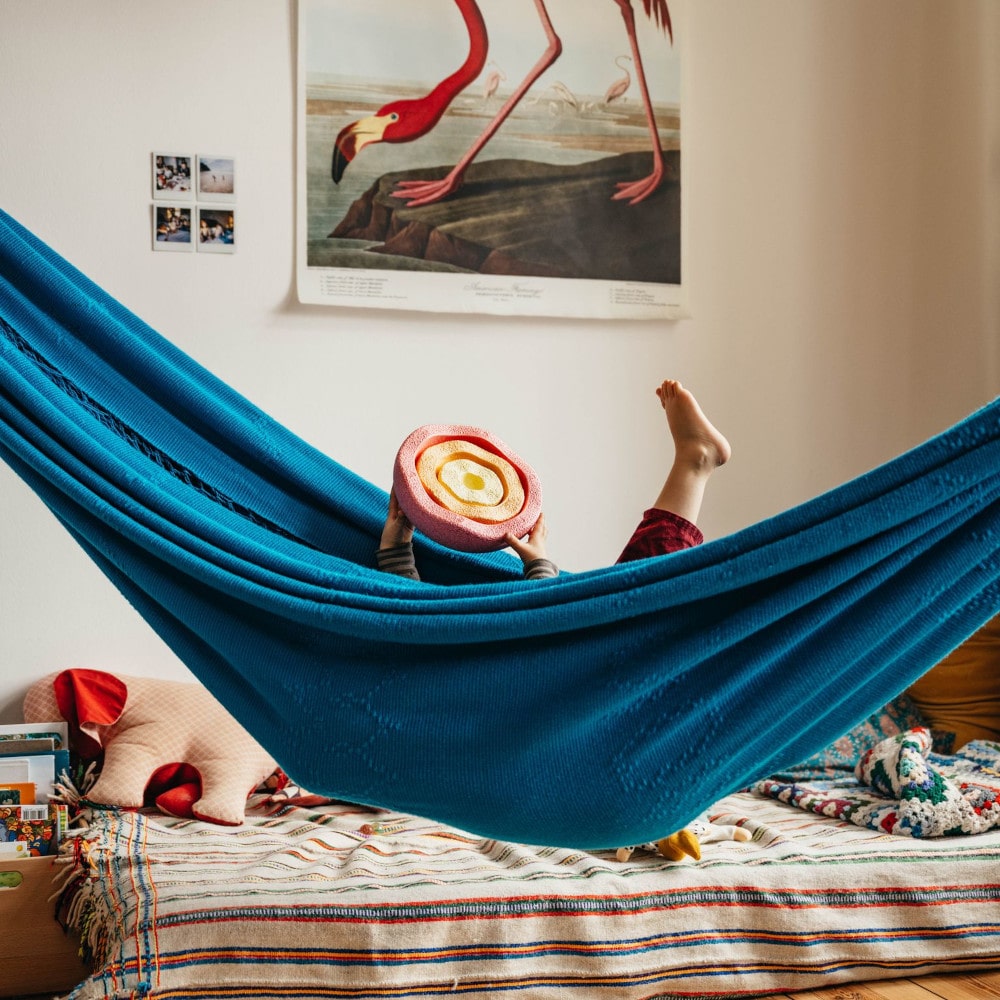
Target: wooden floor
column 977, row 986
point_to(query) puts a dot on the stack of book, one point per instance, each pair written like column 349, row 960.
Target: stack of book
column 32, row 758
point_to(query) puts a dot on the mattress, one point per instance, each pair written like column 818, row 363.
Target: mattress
column 341, row 901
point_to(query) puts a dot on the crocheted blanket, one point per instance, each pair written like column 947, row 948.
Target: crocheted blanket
column 901, row 786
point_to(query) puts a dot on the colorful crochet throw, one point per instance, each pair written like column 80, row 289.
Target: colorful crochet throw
column 902, row 787
column 596, row 709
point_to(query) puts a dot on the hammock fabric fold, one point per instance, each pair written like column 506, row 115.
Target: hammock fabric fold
column 597, row 709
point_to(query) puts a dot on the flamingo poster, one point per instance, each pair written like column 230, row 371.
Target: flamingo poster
column 495, row 156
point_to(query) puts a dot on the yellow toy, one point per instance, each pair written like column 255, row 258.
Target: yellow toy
column 687, row 843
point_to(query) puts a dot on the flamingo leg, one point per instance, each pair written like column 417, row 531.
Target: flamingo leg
column 416, row 193
column 636, row 191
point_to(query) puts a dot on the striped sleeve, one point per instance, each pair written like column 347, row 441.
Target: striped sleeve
column 540, row 569
column 399, row 560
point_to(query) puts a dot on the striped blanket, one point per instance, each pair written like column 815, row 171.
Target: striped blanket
column 338, row 901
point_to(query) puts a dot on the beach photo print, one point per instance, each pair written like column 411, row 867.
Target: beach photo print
column 216, row 178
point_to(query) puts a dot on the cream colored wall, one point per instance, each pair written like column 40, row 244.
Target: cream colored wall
column 844, row 202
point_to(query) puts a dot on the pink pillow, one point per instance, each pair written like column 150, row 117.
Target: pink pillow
column 165, row 743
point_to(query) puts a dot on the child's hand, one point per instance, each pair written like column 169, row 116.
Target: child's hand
column 532, row 546
column 397, row 529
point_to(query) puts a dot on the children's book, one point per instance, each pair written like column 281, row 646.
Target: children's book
column 39, row 769
column 11, row 748
column 38, row 828
column 58, row 732
column 17, row 793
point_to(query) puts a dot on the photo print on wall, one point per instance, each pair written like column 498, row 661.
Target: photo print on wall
column 172, row 179
column 216, row 178
column 209, row 224
column 216, row 229
column 172, row 227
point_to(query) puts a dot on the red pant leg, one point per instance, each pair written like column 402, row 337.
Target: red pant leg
column 660, row 532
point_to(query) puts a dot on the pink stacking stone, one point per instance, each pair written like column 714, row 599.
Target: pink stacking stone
column 452, row 528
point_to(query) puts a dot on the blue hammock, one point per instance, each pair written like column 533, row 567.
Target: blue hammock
column 597, row 709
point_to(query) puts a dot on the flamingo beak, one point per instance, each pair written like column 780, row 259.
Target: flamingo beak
column 343, row 152
column 353, row 138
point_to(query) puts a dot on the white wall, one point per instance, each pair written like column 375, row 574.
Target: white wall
column 843, row 265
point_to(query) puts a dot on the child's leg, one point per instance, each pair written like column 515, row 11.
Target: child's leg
column 699, row 449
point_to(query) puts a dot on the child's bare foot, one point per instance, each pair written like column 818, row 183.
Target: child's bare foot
column 696, row 440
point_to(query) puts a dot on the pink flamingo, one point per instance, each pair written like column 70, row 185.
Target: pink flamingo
column 493, row 80
column 406, row 120
column 619, row 88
